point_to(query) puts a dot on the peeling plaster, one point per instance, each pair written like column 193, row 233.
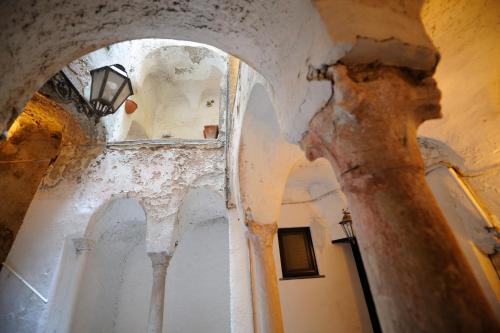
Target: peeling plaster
column 158, row 177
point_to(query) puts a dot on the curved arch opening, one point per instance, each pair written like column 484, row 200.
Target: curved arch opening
column 197, row 293
column 180, row 87
column 113, row 294
column 264, row 155
column 104, row 277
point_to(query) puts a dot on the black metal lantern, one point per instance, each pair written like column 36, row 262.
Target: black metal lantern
column 110, row 88
column 346, row 225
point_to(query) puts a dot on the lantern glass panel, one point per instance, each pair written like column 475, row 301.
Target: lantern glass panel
column 126, row 92
column 113, row 84
column 347, row 226
column 97, row 77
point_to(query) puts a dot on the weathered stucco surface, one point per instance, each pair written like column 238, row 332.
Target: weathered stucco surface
column 157, row 175
column 389, row 32
column 467, row 35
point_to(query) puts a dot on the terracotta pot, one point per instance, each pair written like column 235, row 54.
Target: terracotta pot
column 130, row 106
column 211, row 131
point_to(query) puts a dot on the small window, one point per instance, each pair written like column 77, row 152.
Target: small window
column 297, row 253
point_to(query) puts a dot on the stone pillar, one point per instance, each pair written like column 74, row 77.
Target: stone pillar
column 265, row 292
column 160, row 261
column 419, row 278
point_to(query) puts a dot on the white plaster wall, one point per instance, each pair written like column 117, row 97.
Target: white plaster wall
column 199, row 205
column 135, row 294
column 460, row 200
column 239, row 276
column 63, row 297
column 177, row 83
column 240, row 283
column 312, row 198
column 265, row 157
column 315, row 183
column 334, row 303
column 15, row 316
column 157, row 175
column 197, row 291
column 259, row 162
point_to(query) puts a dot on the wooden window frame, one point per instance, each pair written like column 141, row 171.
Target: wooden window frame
column 312, row 270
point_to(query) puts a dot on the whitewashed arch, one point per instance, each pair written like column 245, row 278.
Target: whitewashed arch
column 198, row 205
column 113, row 245
column 265, row 157
column 280, row 39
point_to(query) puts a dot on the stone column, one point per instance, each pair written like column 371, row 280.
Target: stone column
column 160, row 261
column 420, row 280
column 265, row 292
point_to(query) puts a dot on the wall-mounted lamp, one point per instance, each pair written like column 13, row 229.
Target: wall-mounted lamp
column 346, row 225
column 110, row 87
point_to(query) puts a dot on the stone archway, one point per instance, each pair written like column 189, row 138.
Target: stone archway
column 281, row 44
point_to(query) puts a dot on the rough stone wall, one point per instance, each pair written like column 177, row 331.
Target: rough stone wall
column 467, row 35
column 157, row 174
column 32, row 145
column 44, row 141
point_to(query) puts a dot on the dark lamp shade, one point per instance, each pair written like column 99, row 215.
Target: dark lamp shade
column 110, row 88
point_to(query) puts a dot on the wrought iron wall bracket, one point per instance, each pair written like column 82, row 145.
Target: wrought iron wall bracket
column 60, row 89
